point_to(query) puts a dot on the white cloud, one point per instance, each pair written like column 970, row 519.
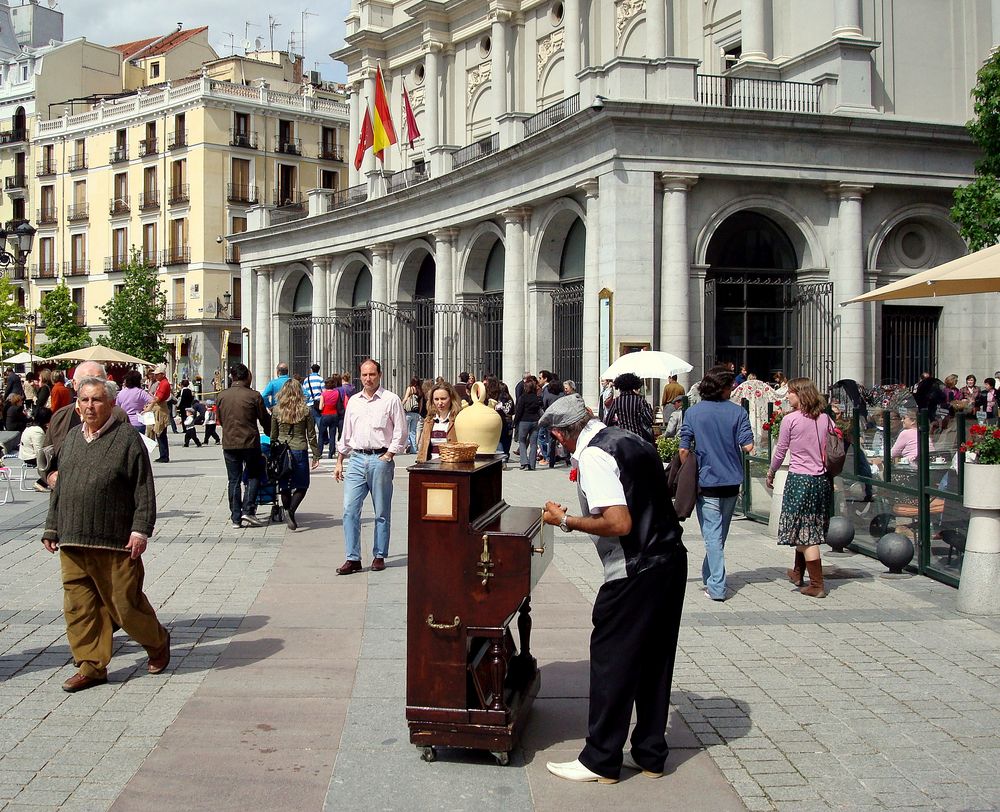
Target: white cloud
column 110, row 22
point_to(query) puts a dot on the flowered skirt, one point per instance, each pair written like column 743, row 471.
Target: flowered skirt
column 804, row 517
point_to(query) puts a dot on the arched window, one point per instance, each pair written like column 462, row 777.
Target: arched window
column 362, row 289
column 302, row 303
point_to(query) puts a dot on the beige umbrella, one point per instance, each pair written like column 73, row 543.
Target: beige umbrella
column 101, row 354
column 973, row 273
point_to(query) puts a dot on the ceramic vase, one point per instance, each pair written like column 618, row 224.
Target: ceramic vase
column 479, row 423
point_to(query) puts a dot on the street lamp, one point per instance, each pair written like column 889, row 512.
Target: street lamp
column 21, row 239
column 227, row 299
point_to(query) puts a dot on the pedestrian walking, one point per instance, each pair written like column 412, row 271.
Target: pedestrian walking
column 241, row 409
column 292, row 423
column 133, row 399
column 60, row 395
column 720, row 431
column 805, row 503
column 101, row 515
column 527, row 413
column 374, row 432
column 637, row 612
column 270, row 392
column 330, row 415
column 161, row 412
column 346, row 389
column 194, row 417
column 312, row 390
column 211, row 422
column 630, row 410
column 411, row 408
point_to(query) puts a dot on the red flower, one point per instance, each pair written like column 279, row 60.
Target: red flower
column 777, row 403
column 573, row 475
column 766, row 427
column 996, row 434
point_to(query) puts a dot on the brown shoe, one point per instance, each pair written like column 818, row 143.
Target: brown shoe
column 160, row 659
column 81, row 682
column 378, row 564
column 815, row 588
column 348, row 567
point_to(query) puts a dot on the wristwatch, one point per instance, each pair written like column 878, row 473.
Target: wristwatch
column 562, row 523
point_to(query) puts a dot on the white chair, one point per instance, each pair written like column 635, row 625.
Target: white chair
column 24, row 479
column 5, row 489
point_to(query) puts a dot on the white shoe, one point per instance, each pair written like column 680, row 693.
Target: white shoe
column 251, row 521
column 630, row 763
column 575, row 771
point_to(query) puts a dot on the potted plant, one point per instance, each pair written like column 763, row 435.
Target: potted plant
column 982, row 476
column 979, row 588
column 667, row 447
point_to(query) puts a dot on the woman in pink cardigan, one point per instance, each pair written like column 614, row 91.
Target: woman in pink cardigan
column 804, row 515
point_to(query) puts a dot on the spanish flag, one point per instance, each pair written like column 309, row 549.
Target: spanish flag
column 384, row 132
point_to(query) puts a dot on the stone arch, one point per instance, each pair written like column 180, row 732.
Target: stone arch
column 889, row 250
column 351, row 267
column 633, row 40
column 551, row 84
column 407, row 268
column 553, row 227
column 479, row 116
column 286, row 283
column 799, row 228
column 476, row 253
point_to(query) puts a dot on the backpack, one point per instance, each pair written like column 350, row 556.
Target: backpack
column 342, row 401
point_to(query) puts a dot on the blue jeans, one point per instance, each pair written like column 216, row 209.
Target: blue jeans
column 239, row 460
column 527, row 436
column 412, row 421
column 715, row 514
column 364, row 474
column 328, row 425
column 544, row 439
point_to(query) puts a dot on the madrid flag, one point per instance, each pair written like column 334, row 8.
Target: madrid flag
column 384, row 132
column 365, row 140
column 409, row 120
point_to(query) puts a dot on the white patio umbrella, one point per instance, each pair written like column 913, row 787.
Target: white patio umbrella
column 648, row 364
column 22, row 358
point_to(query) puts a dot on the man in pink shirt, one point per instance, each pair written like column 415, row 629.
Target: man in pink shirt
column 374, row 432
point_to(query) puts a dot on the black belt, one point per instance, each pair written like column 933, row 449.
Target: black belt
column 379, row 451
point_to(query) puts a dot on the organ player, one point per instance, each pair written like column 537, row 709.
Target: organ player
column 625, row 508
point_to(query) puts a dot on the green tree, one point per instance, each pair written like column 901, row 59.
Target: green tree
column 62, row 333
column 12, row 317
column 977, row 206
column 135, row 316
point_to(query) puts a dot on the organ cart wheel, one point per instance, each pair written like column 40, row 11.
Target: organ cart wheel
column 428, row 754
column 502, row 757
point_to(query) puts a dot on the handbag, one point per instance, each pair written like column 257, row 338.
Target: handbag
column 834, row 453
column 279, row 461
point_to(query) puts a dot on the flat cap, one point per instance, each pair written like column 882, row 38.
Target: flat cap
column 566, row 411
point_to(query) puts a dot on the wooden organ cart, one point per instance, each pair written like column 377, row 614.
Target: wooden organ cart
column 473, row 561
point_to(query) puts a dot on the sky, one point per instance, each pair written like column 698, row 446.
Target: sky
column 110, row 22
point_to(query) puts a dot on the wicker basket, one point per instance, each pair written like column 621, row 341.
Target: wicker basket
column 457, row 452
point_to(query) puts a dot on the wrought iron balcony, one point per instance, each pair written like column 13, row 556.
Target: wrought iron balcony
column 117, row 154
column 46, row 217
column 287, row 199
column 288, row 146
column 148, row 146
column 76, row 267
column 15, row 136
column 150, row 257
column 475, row 151
column 16, row 272
column 330, row 152
column 417, row 173
column 240, row 193
column 242, row 139
column 119, row 205
column 758, row 94
column 44, row 270
column 551, row 115
column 43, row 168
column 175, row 312
column 177, row 139
column 179, row 193
column 15, row 182
column 75, row 162
column 78, row 211
column 179, row 255
column 149, row 200
column 349, row 196
column 115, row 264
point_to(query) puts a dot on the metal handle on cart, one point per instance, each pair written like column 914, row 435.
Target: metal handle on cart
column 453, row 625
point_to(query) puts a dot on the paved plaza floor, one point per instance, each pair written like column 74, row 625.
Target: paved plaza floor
column 287, row 684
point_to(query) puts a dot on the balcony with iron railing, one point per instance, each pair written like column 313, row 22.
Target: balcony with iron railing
column 233, row 254
column 119, row 206
column 117, row 154
column 76, row 162
column 243, row 140
column 178, row 255
column 417, row 173
column 43, row 168
column 758, row 94
column 150, row 257
column 46, row 216
column 329, row 152
column 288, row 199
column 80, row 317
column 177, row 139
column 175, row 312
column 241, row 193
column 148, row 146
column 552, row 114
column 76, row 267
column 349, row 196
column 14, row 136
column 179, row 193
column 475, row 151
column 14, row 183
column 115, row 264
column 16, row 272
column 149, row 199
column 44, row 270
column 288, row 145
column 77, row 212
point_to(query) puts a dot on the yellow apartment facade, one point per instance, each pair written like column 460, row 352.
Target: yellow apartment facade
column 171, row 170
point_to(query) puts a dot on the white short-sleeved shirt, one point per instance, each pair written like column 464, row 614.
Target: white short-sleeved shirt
column 598, row 472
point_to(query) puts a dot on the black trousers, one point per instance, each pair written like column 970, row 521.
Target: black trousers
column 632, row 650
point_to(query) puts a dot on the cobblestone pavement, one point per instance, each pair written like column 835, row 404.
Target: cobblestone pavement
column 879, row 696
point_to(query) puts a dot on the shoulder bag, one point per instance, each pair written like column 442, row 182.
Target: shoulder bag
column 834, row 452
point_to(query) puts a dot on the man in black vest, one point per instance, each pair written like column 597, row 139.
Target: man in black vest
column 637, row 614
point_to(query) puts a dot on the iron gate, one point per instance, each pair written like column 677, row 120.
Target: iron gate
column 909, row 342
column 567, row 331
column 491, row 319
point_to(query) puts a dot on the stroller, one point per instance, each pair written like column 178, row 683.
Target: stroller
column 267, row 492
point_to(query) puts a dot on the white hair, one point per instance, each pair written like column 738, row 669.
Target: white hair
column 110, row 387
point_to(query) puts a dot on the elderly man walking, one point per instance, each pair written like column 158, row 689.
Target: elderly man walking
column 101, row 515
column 637, row 613
column 374, row 432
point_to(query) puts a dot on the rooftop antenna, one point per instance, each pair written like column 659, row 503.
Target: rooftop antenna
column 272, row 23
column 246, row 35
column 305, row 13
column 232, row 42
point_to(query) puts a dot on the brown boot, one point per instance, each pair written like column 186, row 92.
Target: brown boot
column 795, row 574
column 815, row 588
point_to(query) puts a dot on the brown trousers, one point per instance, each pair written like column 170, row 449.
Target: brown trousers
column 101, row 586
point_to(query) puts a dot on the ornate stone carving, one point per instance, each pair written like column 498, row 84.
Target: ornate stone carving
column 625, row 10
column 417, row 96
column 476, row 77
column 548, row 47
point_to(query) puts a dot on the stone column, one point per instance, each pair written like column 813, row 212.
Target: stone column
column 446, row 326
column 498, row 60
column 675, row 269
column 262, row 320
column 320, row 352
column 590, row 385
column 752, row 22
column 515, row 352
column 847, row 18
column 571, row 46
column 380, row 295
column 849, row 280
column 432, row 94
column 247, row 315
column 354, row 132
column 656, row 29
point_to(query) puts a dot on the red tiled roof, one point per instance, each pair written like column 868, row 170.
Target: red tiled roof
column 171, row 41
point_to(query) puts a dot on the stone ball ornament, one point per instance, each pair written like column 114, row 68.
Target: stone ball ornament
column 895, row 551
column 840, row 533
